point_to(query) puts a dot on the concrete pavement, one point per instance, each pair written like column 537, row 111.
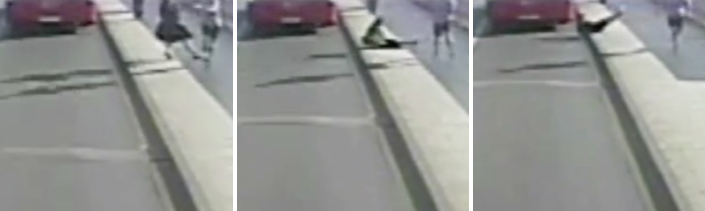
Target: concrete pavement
column 546, row 137
column 412, row 23
column 70, row 139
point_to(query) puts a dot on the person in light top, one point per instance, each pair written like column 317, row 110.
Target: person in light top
column 442, row 15
column 210, row 28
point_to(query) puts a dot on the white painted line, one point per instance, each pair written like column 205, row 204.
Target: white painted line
column 306, row 120
column 552, row 83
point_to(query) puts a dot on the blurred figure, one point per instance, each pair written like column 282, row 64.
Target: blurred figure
column 138, row 8
column 171, row 31
column 210, row 28
column 374, row 38
column 676, row 14
column 372, row 5
column 597, row 26
column 442, row 19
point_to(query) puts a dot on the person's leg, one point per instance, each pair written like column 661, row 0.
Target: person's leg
column 167, row 50
column 677, row 30
column 448, row 39
column 207, row 43
column 436, row 38
column 191, row 50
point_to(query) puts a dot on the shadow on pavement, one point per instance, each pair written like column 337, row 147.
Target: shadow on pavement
column 59, row 77
column 305, row 79
column 328, row 56
column 55, row 90
column 546, row 66
column 55, row 77
column 572, row 38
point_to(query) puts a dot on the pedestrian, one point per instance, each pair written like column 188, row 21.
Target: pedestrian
column 171, row 31
column 442, row 17
column 138, row 8
column 374, row 38
column 676, row 15
column 372, row 5
column 593, row 27
column 210, row 28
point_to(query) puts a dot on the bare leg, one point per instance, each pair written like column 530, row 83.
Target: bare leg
column 167, row 51
column 191, row 50
column 449, row 43
column 207, row 43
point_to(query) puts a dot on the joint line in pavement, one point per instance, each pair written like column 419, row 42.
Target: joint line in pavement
column 307, row 120
column 550, row 83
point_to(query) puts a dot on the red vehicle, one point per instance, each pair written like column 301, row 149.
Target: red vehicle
column 30, row 15
column 271, row 14
column 511, row 13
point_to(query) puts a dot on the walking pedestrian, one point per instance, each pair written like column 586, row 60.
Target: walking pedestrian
column 171, row 31
column 442, row 18
column 210, row 28
column 138, row 8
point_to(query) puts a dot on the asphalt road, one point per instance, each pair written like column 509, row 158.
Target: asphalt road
column 546, row 138
column 306, row 136
column 70, row 141
column 413, row 23
column 648, row 22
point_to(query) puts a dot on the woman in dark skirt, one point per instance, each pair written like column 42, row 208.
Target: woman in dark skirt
column 171, row 31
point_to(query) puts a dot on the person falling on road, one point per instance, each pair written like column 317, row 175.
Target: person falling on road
column 593, row 27
column 375, row 38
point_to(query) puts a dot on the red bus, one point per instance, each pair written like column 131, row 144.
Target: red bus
column 31, row 15
column 512, row 13
column 271, row 14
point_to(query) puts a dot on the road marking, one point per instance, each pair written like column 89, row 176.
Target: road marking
column 76, row 153
column 547, row 83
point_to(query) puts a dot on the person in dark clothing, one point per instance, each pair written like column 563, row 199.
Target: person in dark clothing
column 374, row 38
column 168, row 10
column 171, row 31
column 138, row 8
column 594, row 27
column 210, row 28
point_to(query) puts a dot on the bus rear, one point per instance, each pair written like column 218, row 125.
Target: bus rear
column 275, row 13
column 505, row 13
column 34, row 14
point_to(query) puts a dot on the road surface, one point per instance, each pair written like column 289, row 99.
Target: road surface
column 70, row 141
column 546, row 137
column 412, row 23
column 649, row 24
column 306, row 136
